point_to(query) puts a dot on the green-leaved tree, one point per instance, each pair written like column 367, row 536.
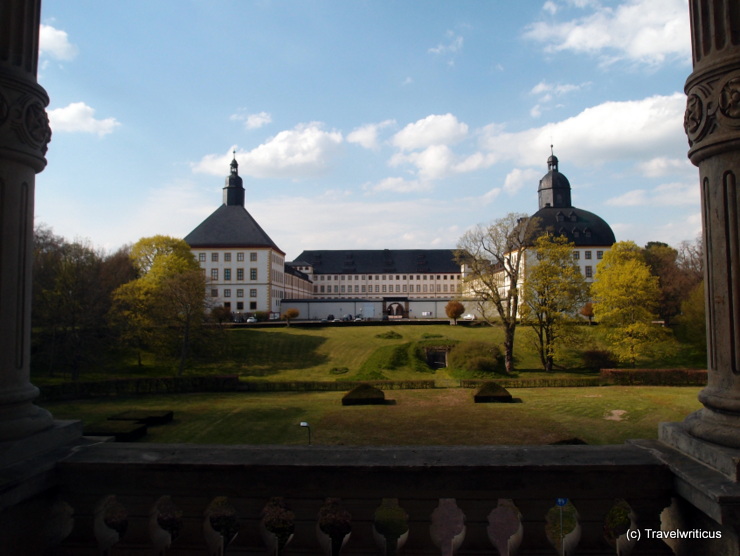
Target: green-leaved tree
column 554, row 291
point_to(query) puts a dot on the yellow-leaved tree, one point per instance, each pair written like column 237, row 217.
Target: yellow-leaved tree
column 166, row 303
column 626, row 297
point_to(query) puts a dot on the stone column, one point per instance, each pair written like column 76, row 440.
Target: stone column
column 712, row 123
column 24, row 135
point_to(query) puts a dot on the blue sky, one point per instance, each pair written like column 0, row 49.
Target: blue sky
column 363, row 124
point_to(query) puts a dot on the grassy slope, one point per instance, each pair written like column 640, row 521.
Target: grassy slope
column 442, row 416
column 297, row 353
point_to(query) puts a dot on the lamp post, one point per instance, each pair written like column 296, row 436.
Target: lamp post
column 307, row 426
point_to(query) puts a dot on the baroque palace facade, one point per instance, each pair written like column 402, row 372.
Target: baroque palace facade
column 248, row 273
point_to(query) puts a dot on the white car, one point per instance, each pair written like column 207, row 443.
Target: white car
column 469, row 316
column 252, row 319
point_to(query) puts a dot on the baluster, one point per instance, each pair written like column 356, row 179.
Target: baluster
column 165, row 523
column 334, row 527
column 220, row 525
column 505, row 529
column 562, row 528
column 110, row 523
column 448, row 526
column 390, row 527
column 647, row 517
column 619, row 520
column 277, row 525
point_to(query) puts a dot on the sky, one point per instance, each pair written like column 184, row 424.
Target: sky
column 363, row 124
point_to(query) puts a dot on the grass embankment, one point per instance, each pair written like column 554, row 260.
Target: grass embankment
column 605, row 415
column 351, row 352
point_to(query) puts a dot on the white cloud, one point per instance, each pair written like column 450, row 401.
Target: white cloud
column 252, row 121
column 367, row 135
column 638, row 130
column 453, row 45
column 550, row 7
column 645, row 31
column 434, row 162
column 435, row 129
column 556, row 89
column 79, row 117
column 518, row 178
column 55, row 44
column 665, row 195
column 401, row 185
column 663, row 166
column 306, row 150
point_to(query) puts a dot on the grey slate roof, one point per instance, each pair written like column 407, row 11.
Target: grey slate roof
column 580, row 226
column 230, row 226
column 380, row 261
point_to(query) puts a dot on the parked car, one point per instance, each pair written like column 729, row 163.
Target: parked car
column 252, row 319
column 469, row 316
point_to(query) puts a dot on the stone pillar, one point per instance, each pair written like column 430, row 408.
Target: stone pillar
column 24, row 135
column 712, row 123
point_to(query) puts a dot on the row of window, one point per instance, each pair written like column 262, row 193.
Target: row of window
column 587, row 255
column 321, row 277
column 440, row 288
column 227, row 257
column 240, row 305
column 239, row 292
column 239, row 274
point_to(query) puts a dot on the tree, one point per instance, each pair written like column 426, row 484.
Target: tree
column 588, row 311
column 492, row 257
column 181, row 303
column 554, row 289
column 626, row 298
column 150, row 250
column 69, row 303
column 454, row 310
column 167, row 302
column 290, row 314
column 692, row 323
column 675, row 281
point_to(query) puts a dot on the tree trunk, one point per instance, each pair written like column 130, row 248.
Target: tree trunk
column 184, row 350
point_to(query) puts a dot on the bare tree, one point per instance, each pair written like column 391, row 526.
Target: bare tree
column 493, row 259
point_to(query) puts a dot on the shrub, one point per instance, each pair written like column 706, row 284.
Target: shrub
column 389, row 335
column 477, row 357
column 598, row 359
column 364, row 394
column 492, row 392
column 655, row 377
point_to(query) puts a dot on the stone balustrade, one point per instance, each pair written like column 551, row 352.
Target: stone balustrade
column 437, row 500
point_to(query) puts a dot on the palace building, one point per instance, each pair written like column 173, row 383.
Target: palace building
column 248, row 273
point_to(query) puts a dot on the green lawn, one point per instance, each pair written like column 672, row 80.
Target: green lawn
column 316, row 353
column 605, row 415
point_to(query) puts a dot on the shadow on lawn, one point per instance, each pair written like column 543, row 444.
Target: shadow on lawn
column 261, row 355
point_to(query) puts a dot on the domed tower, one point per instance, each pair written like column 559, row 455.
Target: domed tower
column 590, row 235
column 554, row 190
column 557, row 215
column 234, row 188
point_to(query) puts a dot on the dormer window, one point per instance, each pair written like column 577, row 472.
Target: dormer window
column 573, row 217
column 560, row 217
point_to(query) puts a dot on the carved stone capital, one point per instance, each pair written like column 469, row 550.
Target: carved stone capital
column 24, row 125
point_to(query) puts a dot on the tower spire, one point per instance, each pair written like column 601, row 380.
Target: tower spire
column 234, row 188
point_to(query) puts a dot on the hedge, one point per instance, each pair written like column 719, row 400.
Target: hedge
column 654, row 377
column 338, row 386
column 138, row 386
column 534, row 382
